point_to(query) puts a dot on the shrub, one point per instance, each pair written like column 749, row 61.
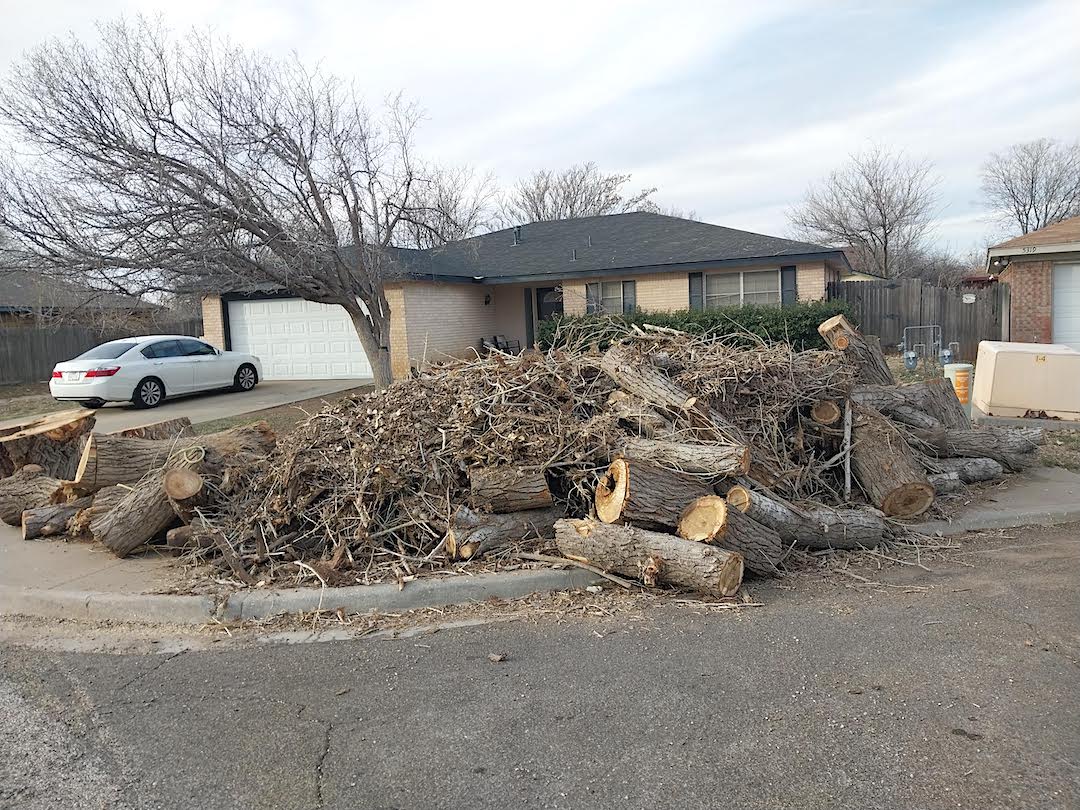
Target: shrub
column 796, row 324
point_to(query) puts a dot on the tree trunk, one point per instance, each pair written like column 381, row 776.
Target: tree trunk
column 653, row 557
column 371, row 334
column 930, row 404
column 865, row 355
column 971, row 470
column 166, row 429
column 187, row 492
column 714, row 458
column 647, row 496
column 47, row 521
column 508, row 489
column 52, row 442
column 709, row 520
column 826, row 412
column 108, row 459
column 637, row 415
column 1015, row 449
column 946, row 483
column 810, row 526
column 102, row 501
column 885, row 467
column 28, row 488
column 140, row 516
column 473, row 534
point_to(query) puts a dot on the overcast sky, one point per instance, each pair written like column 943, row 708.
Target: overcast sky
column 730, row 109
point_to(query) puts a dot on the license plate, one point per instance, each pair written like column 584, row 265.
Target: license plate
column 72, row 376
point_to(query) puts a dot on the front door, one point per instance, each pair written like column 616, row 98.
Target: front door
column 549, row 302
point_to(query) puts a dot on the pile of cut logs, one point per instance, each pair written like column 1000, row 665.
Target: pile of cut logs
column 672, row 458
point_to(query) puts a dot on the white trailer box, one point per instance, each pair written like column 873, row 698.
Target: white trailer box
column 1027, row 379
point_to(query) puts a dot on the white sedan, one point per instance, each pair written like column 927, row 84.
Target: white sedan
column 146, row 370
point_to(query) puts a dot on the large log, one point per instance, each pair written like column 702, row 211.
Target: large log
column 140, row 516
column 653, row 557
column 473, row 534
column 810, row 526
column 885, row 467
column 109, row 459
column 638, row 415
column 971, row 470
column 645, row 495
column 864, row 354
column 1015, row 449
column 709, row 520
column 28, row 488
column 187, row 492
column 712, row 458
column 101, row 502
column 946, row 483
column 52, row 442
column 165, row 429
column 929, row 404
column 508, row 489
column 51, row 520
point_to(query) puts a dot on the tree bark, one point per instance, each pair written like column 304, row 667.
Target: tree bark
column 637, row 415
column 166, row 429
column 971, row 470
column 101, row 502
column 864, row 354
column 187, row 492
column 28, row 488
column 946, row 483
column 109, row 460
column 712, row 458
column 47, row 521
column 810, row 526
column 653, row 557
column 826, row 412
column 1014, row 449
column 647, row 496
column 373, row 330
column 52, row 442
column 929, row 404
column 885, row 467
column 140, row 516
column 190, row 535
column 504, row 489
column 473, row 534
column 708, row 519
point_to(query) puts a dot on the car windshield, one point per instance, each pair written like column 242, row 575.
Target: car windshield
column 108, row 351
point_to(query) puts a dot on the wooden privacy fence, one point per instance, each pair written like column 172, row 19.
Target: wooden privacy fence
column 965, row 315
column 28, row 354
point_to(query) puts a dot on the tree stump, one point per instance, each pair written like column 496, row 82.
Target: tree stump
column 52, row 442
column 810, row 526
column 653, row 557
column 28, row 488
column 864, row 354
column 929, row 404
column 708, row 519
column 51, row 520
column 473, row 534
column 651, row 497
column 885, row 467
column 712, row 458
column 508, row 489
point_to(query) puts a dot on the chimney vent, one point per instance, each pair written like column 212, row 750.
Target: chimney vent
column 517, row 234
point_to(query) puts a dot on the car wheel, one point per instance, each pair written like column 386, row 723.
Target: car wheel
column 245, row 378
column 91, row 403
column 148, row 393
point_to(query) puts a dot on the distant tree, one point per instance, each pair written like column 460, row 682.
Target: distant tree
column 579, row 191
column 1033, row 184
column 452, row 204
column 879, row 204
column 151, row 163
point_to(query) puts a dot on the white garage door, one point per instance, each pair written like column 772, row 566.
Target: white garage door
column 298, row 339
column 1066, row 322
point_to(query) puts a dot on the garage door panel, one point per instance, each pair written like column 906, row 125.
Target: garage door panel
column 297, row 339
column 1066, row 306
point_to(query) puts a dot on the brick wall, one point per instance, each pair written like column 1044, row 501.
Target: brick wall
column 399, row 331
column 446, row 320
column 811, row 280
column 1031, row 300
column 213, row 322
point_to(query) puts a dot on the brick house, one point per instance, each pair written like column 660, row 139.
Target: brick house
column 444, row 301
column 1042, row 269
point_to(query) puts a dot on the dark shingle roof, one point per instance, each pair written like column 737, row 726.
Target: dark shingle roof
column 25, row 290
column 639, row 241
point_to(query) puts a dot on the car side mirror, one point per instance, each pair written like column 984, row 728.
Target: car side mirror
column 218, row 352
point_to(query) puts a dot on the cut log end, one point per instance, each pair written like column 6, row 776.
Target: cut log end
column 704, row 519
column 182, row 483
column 612, row 491
column 738, row 497
column 908, row 500
column 826, row 412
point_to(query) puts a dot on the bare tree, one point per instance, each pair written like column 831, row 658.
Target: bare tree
column 579, row 191
column 1033, row 184
column 153, row 162
column 453, row 204
column 879, row 204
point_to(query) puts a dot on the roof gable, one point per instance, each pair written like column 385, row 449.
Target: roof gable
column 1065, row 232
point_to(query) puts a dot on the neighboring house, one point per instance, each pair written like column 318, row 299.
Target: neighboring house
column 445, row 300
column 28, row 299
column 1042, row 269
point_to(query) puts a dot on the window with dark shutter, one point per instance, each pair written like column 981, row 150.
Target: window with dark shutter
column 697, row 294
column 629, row 297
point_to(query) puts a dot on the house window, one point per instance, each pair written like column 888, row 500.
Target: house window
column 611, row 297
column 735, row 289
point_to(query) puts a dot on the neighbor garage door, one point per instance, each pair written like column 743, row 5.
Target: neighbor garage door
column 297, row 339
column 1066, row 322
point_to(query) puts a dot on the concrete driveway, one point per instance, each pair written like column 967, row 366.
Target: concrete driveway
column 220, row 404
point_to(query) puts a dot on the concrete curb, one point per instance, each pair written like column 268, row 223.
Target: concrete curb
column 1011, row 520
column 169, row 609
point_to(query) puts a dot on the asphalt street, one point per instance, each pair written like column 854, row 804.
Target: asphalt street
column 951, row 688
